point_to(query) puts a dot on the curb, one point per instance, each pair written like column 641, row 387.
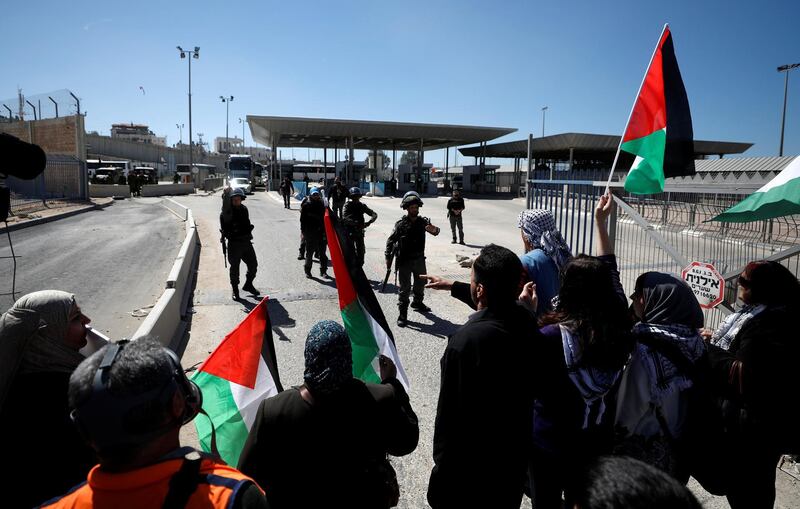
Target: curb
column 167, row 320
column 54, row 217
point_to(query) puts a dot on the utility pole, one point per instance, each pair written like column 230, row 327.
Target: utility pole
column 191, row 54
column 785, row 69
column 227, row 101
column 544, row 112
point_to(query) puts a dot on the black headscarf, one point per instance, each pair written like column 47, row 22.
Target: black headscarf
column 668, row 300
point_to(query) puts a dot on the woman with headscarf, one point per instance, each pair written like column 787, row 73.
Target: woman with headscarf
column 324, row 443
column 40, row 336
column 546, row 253
column 577, row 362
column 652, row 420
column 754, row 356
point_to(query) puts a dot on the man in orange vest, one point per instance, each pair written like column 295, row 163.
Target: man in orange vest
column 129, row 401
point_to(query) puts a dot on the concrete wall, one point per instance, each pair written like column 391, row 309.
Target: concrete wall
column 64, row 135
column 108, row 190
column 167, row 189
column 111, row 148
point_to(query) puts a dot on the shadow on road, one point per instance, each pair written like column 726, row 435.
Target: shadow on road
column 279, row 318
column 440, row 327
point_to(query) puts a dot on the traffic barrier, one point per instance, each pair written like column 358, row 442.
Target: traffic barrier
column 167, row 189
column 166, row 321
column 108, row 190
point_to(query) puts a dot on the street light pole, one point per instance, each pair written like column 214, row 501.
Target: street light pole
column 180, row 130
column 785, row 69
column 195, row 53
column 227, row 101
column 544, row 111
column 242, row 122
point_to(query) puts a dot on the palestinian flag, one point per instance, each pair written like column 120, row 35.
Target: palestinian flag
column 779, row 197
column 362, row 315
column 659, row 131
column 234, row 379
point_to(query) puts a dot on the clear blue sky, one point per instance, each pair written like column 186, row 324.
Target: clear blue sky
column 456, row 62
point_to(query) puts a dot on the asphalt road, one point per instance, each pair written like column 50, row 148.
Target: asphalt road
column 115, row 260
column 296, row 303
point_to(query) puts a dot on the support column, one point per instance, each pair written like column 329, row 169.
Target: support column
column 350, row 161
column 420, row 164
column 446, row 169
column 325, row 167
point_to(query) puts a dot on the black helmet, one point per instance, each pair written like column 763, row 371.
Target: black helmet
column 238, row 192
column 410, row 198
column 356, row 191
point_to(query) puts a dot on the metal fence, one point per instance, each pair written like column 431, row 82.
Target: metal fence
column 665, row 232
column 62, row 183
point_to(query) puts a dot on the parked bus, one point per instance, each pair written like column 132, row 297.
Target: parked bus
column 241, row 166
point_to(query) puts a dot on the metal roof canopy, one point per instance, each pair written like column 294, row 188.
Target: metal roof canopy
column 366, row 134
column 585, row 146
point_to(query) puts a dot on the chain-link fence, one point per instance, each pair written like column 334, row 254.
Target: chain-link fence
column 59, row 103
column 62, row 183
column 665, row 232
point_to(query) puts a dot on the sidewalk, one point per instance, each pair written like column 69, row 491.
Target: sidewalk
column 45, row 216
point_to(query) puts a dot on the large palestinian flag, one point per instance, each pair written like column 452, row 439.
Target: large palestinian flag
column 234, row 380
column 363, row 318
column 659, row 131
column 779, row 197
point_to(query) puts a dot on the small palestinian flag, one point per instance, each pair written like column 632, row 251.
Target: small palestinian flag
column 659, row 131
column 779, row 197
column 363, row 318
column 234, row 380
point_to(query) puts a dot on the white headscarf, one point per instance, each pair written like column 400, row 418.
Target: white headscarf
column 32, row 336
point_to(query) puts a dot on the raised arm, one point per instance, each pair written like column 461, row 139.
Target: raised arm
column 605, row 205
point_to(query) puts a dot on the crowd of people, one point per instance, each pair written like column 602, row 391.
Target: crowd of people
column 555, row 388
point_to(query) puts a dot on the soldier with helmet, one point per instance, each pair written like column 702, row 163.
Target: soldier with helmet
column 353, row 220
column 235, row 226
column 407, row 244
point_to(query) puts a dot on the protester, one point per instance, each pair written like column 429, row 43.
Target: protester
column 236, row 228
column 40, row 336
column 754, row 357
column 576, row 364
column 324, row 444
column 455, row 208
column 667, row 368
column 312, row 228
column 620, row 482
column 338, row 195
column 129, row 401
column 546, row 253
column 353, row 220
column 286, row 191
column 406, row 245
column 482, row 429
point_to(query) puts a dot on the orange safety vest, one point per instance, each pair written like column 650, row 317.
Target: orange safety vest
column 148, row 487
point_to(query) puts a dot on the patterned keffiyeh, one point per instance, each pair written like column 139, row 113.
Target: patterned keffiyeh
column 592, row 383
column 539, row 227
column 731, row 326
column 329, row 358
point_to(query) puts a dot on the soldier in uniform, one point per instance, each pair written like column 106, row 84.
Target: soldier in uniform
column 235, row 226
column 286, row 191
column 353, row 220
column 338, row 195
column 133, row 185
column 407, row 244
column 312, row 226
column 455, row 206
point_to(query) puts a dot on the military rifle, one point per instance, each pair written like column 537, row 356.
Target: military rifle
column 224, row 249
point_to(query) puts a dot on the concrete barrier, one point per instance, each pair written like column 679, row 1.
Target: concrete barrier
column 166, row 320
column 108, row 190
column 179, row 210
column 213, row 184
column 167, row 189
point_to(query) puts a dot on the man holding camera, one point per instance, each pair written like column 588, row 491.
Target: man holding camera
column 407, row 245
column 129, row 400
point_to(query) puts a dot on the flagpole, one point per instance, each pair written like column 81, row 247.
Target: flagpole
column 633, row 107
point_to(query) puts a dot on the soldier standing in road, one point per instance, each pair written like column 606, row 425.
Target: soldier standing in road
column 353, row 220
column 286, row 191
column 132, row 184
column 312, row 226
column 455, row 206
column 338, row 195
column 407, row 244
column 235, row 226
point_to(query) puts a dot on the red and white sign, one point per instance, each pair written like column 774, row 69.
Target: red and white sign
column 707, row 284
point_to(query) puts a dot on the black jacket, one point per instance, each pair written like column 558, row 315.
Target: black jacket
column 312, row 218
column 315, row 455
column 454, row 204
column 353, row 215
column 754, row 375
column 409, row 236
column 338, row 194
column 483, row 418
column 236, row 224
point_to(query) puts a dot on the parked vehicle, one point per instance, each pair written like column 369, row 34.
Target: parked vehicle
column 243, row 183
